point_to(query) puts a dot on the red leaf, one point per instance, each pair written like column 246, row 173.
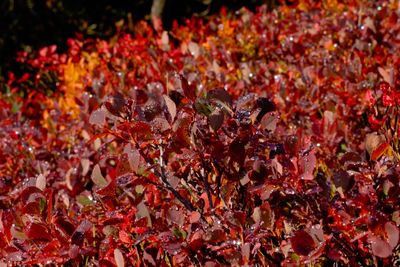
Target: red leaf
column 141, row 130
column 114, row 111
column 194, row 217
column 106, row 262
column 379, row 247
column 124, row 237
column 196, row 240
column 28, row 191
column 43, row 51
column 123, row 166
column 215, row 235
column 237, row 151
column 302, row 243
column 307, row 165
column 373, row 141
column 108, row 190
column 24, row 78
column 379, row 151
column 269, row 121
column 141, row 97
column 38, row 232
column 52, row 247
column 392, row 233
column 221, row 95
column 65, row 225
column 188, row 89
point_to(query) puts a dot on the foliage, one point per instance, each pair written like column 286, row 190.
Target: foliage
column 26, row 24
column 266, row 138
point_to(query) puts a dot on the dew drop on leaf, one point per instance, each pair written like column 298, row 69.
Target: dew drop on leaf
column 160, row 124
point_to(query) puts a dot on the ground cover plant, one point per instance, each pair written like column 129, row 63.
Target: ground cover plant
column 262, row 139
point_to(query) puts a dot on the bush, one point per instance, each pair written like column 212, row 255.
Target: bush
column 266, row 138
column 26, row 24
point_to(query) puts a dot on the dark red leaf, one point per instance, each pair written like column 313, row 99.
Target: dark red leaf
column 108, row 190
column 380, row 248
column 302, row 243
column 38, row 232
column 237, row 151
column 215, row 235
column 141, row 97
column 221, row 95
column 216, row 119
column 265, row 105
column 65, row 225
column 343, row 180
column 188, row 89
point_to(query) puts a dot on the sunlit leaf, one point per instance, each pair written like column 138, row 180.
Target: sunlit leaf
column 98, row 117
column 380, row 150
column 194, row 49
column 269, row 121
column 392, row 232
column 373, row 141
column 119, row 258
column 380, row 248
column 41, row 182
column 84, row 200
column 308, row 164
column 97, row 177
column 385, row 75
column 85, row 163
column 171, row 106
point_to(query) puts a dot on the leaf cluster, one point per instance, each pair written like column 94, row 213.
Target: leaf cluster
column 246, row 142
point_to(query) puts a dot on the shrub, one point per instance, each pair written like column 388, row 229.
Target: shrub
column 267, row 138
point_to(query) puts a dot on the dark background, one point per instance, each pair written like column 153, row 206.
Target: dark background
column 30, row 24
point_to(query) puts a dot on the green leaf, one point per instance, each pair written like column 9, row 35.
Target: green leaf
column 84, row 200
